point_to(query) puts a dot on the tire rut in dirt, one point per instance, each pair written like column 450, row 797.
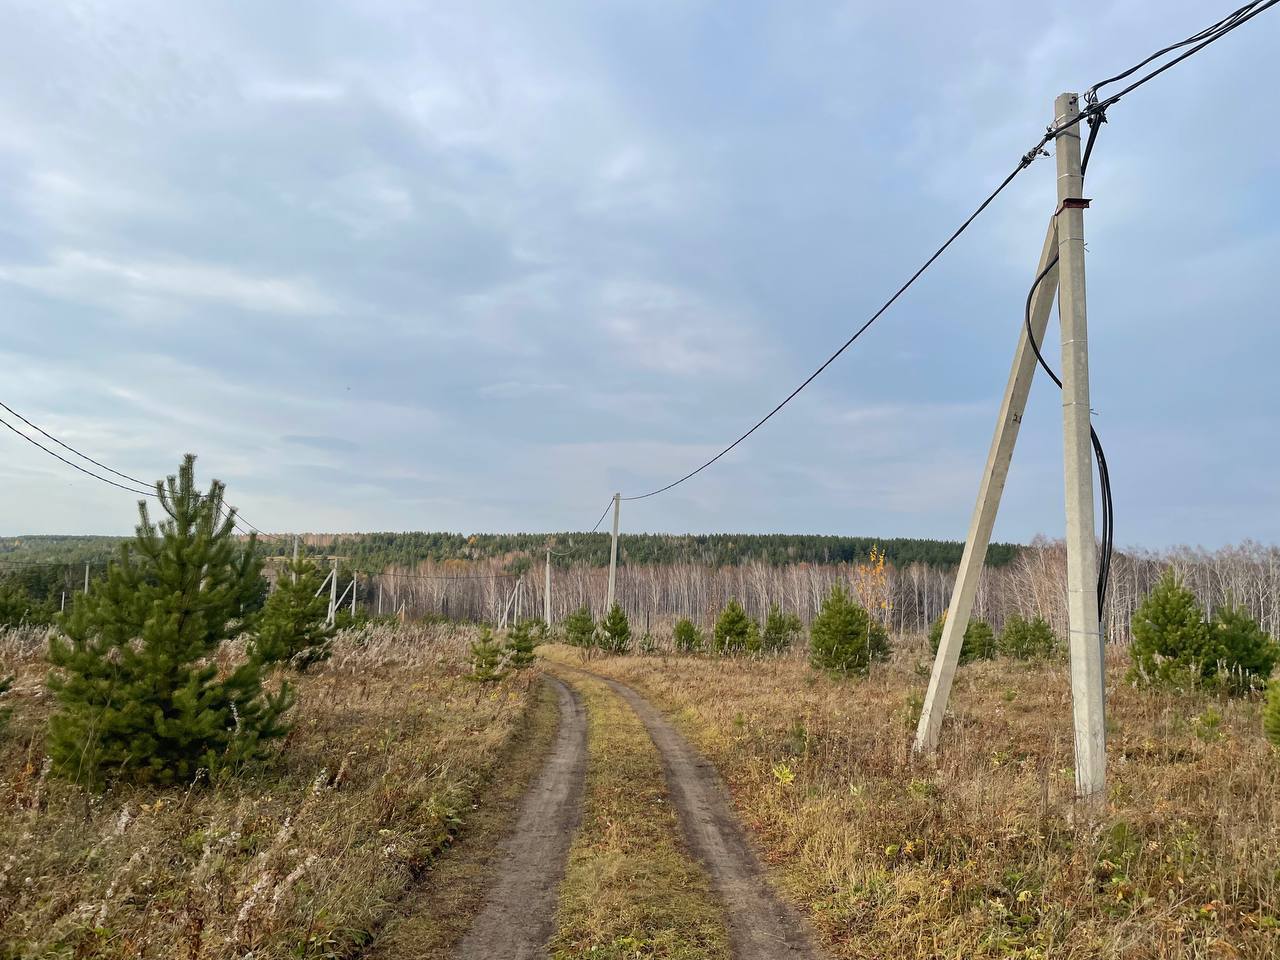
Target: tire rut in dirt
column 761, row 926
column 518, row 917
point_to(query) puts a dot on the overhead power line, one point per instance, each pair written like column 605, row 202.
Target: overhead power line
column 146, row 490
column 1092, row 108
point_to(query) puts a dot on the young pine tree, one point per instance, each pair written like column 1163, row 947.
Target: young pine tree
column 1246, row 655
column 1172, row 643
column 780, row 630
column 134, row 674
column 1023, row 639
column 735, row 631
column 979, row 641
column 580, row 628
column 844, row 638
column 521, row 642
column 615, row 631
column 293, row 627
column 486, row 659
column 687, row 637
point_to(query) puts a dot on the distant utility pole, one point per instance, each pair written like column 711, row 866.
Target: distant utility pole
column 613, row 553
column 86, row 578
column 1066, row 236
column 333, row 593
column 295, row 559
column 379, row 599
column 546, row 591
column 354, row 585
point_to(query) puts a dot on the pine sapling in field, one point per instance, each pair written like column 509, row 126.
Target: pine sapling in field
column 687, row 637
column 1246, row 655
column 293, row 628
column 1172, row 643
column 521, row 642
column 580, row 628
column 735, row 631
column 780, row 630
column 486, row 659
column 844, row 638
column 1023, row 639
column 134, row 671
column 979, row 641
column 615, row 631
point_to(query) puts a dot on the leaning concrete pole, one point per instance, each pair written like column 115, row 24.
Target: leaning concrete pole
column 613, row 553
column 546, row 591
column 984, row 512
column 1084, row 635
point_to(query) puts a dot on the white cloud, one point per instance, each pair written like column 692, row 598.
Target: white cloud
column 88, row 277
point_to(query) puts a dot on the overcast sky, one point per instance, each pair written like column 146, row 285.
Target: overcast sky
column 474, row 266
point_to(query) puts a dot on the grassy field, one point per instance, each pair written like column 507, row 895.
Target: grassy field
column 980, row 854
column 305, row 858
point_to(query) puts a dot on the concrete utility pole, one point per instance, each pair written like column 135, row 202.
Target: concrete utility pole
column 613, row 553
column 295, row 559
column 379, row 599
column 1084, row 642
column 354, row 584
column 333, row 593
column 86, row 578
column 1066, row 237
column 546, row 591
column 984, row 512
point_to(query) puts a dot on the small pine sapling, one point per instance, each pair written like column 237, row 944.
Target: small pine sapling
column 1246, row 655
column 687, row 637
column 580, row 628
column 486, row 659
column 139, row 691
column 735, row 631
column 615, row 631
column 844, row 638
column 979, row 641
column 780, row 630
column 1172, row 643
column 521, row 642
column 1023, row 639
column 294, row 628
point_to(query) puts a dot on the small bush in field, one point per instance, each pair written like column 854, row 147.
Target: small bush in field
column 1023, row 639
column 844, row 638
column 735, row 631
column 979, row 640
column 688, row 638
column 615, row 631
column 780, row 630
column 580, row 628
column 486, row 659
column 520, row 645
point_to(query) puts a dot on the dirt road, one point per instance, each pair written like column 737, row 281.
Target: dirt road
column 518, row 917
column 761, row 926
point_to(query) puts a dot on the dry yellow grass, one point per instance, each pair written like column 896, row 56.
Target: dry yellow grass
column 979, row 854
column 305, row 858
column 631, row 889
